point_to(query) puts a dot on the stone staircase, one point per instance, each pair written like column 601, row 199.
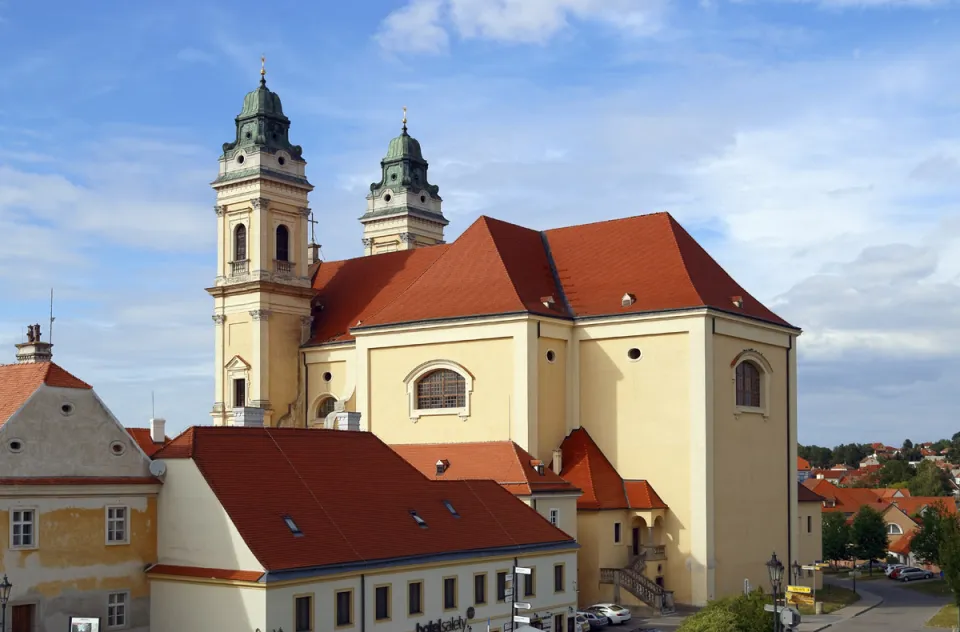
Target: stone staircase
column 632, row 579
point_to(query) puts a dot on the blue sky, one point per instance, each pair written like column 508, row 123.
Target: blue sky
column 812, row 147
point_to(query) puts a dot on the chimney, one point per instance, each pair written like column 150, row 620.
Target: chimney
column 34, row 350
column 345, row 420
column 248, row 417
column 557, row 461
column 158, row 430
column 313, row 253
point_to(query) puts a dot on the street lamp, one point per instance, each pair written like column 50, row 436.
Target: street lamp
column 5, row 587
column 797, row 569
column 775, row 569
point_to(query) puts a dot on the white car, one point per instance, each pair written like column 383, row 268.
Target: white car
column 582, row 624
column 616, row 614
column 595, row 619
column 892, row 567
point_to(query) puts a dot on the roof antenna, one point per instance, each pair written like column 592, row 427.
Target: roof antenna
column 153, row 406
column 50, row 330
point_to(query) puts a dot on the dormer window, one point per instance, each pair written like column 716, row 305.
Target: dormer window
column 442, row 466
column 294, row 529
column 538, row 466
column 420, row 521
column 450, row 508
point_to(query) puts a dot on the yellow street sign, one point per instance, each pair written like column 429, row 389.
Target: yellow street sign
column 802, row 590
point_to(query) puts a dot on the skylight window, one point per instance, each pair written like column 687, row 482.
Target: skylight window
column 294, row 529
column 450, row 508
column 420, row 521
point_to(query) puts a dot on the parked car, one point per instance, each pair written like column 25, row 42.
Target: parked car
column 595, row 619
column 895, row 573
column 582, row 624
column 892, row 567
column 616, row 614
column 910, row 574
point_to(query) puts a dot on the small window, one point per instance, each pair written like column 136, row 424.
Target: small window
column 415, row 598
column 634, row 354
column 294, row 529
column 442, row 388
column 327, row 376
column 344, row 608
column 240, row 243
column 480, row 589
column 117, row 525
column 892, row 529
column 748, row 385
column 420, row 521
column 382, row 596
column 304, row 614
column 558, row 622
column 23, row 525
column 558, row 578
column 530, row 583
column 283, row 243
column 239, row 393
column 117, row 610
column 554, row 517
column 809, row 524
column 327, row 406
column 501, row 585
column 616, row 533
column 551, row 355
column 450, row 593
column 450, row 508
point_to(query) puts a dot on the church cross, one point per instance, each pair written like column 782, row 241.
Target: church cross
column 313, row 228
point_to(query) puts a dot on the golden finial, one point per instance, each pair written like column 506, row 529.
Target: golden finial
column 263, row 65
column 404, row 118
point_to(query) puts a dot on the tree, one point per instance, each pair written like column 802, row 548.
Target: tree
column 907, row 445
column 929, row 481
column 868, row 535
column 925, row 544
column 895, row 471
column 733, row 614
column 836, row 536
column 950, row 556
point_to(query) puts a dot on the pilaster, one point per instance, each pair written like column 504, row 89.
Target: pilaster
column 702, row 562
column 523, row 416
column 219, row 395
column 573, row 380
column 260, row 378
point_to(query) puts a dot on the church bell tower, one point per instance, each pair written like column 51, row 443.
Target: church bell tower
column 262, row 289
column 403, row 209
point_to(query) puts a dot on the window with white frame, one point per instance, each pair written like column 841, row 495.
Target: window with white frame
column 439, row 387
column 117, row 532
column 751, row 382
column 554, row 517
column 117, row 610
column 23, row 528
column 894, row 529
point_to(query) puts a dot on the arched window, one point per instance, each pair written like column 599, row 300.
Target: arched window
column 240, row 243
column 283, row 243
column 894, row 529
column 327, row 406
column 442, row 388
column 748, row 385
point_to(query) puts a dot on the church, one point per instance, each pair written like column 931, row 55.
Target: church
column 617, row 354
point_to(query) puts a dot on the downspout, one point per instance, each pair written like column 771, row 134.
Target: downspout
column 363, row 603
column 790, row 483
column 306, row 393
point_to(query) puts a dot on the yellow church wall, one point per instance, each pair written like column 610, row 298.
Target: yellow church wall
column 552, row 407
column 639, row 414
column 178, row 606
column 488, row 361
column 286, row 378
column 319, row 389
column 753, row 481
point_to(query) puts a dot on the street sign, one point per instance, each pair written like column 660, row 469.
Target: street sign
column 522, row 570
column 522, row 606
column 803, row 590
column 519, row 619
column 508, row 593
column 855, row 573
column 815, row 567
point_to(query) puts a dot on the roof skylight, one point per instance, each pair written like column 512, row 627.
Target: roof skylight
column 294, row 529
column 450, row 508
column 420, row 521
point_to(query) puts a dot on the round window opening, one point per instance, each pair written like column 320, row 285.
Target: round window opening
column 393, row 176
column 387, row 197
column 551, row 355
column 634, row 354
column 15, row 445
column 239, row 160
column 327, row 376
column 281, row 160
column 66, row 409
column 117, row 448
column 249, row 135
column 423, row 198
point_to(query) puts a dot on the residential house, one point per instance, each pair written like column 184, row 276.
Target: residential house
column 803, row 469
column 811, row 535
column 79, row 500
column 152, row 438
column 313, row 530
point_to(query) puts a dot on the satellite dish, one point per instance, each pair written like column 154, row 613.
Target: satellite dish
column 158, row 468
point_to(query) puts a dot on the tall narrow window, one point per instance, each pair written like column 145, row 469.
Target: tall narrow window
column 304, row 614
column 383, row 603
column 415, row 598
column 748, row 385
column 558, row 578
column 449, row 593
column 117, row 525
column 239, row 393
column 502, row 586
column 344, row 605
column 616, row 533
column 117, row 610
column 480, row 589
column 283, row 243
column 22, row 528
column 530, row 583
column 240, row 243
column 442, row 388
column 809, row 524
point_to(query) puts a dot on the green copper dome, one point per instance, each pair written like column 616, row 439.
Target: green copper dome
column 262, row 101
column 404, row 146
column 403, row 168
column 262, row 126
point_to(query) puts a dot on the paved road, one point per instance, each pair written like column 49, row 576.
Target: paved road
column 903, row 610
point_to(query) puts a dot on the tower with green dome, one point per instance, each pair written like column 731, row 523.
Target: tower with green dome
column 262, row 288
column 403, row 209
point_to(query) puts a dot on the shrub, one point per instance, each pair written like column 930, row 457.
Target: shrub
column 733, row 614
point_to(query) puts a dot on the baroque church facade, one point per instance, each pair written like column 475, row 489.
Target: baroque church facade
column 618, row 353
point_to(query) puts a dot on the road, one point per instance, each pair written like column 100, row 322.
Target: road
column 903, row 610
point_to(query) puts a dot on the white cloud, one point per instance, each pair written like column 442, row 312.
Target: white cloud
column 414, row 28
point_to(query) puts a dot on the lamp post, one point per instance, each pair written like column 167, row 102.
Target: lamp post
column 775, row 569
column 5, row 587
column 797, row 569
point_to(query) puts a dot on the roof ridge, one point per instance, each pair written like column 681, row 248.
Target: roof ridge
column 673, row 225
column 496, row 247
column 611, row 220
column 556, row 274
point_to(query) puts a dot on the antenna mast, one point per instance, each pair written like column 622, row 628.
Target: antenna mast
column 50, row 330
column 153, row 406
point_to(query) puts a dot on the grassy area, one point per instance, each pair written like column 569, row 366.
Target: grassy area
column 946, row 618
column 833, row 598
column 936, row 587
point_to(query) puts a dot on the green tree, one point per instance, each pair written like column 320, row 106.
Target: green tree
column 868, row 535
column 929, row 481
column 744, row 613
column 907, row 445
column 895, row 471
column 925, row 544
column 950, row 556
column 836, row 536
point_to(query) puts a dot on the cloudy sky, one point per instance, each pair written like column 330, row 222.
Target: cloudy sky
column 812, row 147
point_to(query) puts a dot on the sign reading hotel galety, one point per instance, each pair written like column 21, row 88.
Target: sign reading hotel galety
column 442, row 626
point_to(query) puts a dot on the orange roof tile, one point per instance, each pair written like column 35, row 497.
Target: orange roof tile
column 913, row 504
column 902, row 544
column 846, row 499
column 585, row 466
column 802, row 464
column 807, row 495
column 497, row 268
column 890, row 492
column 145, row 440
column 204, row 573
column 327, row 481
column 502, row 461
column 19, row 381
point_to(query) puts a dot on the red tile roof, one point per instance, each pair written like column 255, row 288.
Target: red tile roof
column 802, row 464
column 327, row 481
column 19, row 381
column 890, row 492
column 913, row 504
column 846, row 499
column 145, row 440
column 502, row 461
column 585, row 466
column 204, row 573
column 902, row 545
column 80, row 480
column 496, row 268
column 807, row 495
